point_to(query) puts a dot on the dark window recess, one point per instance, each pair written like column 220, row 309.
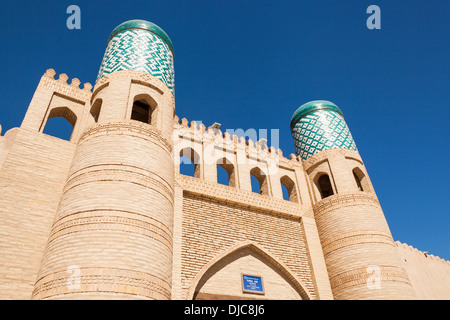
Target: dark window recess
column 141, row 111
column 325, row 186
column 358, row 182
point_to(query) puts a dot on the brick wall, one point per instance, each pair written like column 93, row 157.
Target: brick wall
column 429, row 274
column 31, row 180
column 210, row 228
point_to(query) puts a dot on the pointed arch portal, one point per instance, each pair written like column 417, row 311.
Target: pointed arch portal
column 221, row 278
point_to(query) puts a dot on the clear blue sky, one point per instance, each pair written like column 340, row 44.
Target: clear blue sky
column 251, row 64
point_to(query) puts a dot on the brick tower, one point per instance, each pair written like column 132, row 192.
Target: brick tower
column 360, row 253
column 112, row 235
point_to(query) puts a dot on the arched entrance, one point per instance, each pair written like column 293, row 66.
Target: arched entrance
column 224, row 278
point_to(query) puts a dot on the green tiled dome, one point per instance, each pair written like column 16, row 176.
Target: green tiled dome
column 144, row 25
column 313, row 106
column 142, row 46
column 317, row 126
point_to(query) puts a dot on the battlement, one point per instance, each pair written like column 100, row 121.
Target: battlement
column 62, row 86
column 59, row 97
column 256, row 150
column 418, row 252
column 241, row 157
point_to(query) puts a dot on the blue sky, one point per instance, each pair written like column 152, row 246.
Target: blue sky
column 251, row 64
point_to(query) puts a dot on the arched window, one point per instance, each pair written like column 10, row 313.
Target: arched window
column 324, row 186
column 261, row 186
column 189, row 163
column 143, row 109
column 226, row 173
column 95, row 109
column 60, row 123
column 255, row 184
column 288, row 188
column 358, row 182
column 361, row 180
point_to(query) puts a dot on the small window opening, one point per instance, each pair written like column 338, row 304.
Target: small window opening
column 60, row 123
column 189, row 163
column 226, row 173
column 95, row 109
column 325, row 187
column 141, row 111
column 259, row 181
column 358, row 181
column 288, row 188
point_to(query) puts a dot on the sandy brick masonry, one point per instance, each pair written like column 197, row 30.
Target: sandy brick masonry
column 213, row 227
column 429, row 274
column 31, row 180
column 112, row 203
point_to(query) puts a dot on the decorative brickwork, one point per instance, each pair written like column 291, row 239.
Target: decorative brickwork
column 359, row 278
column 344, row 200
column 356, row 237
column 240, row 198
column 112, row 281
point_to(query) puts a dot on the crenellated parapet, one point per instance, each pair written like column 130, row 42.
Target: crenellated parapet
column 429, row 274
column 59, row 97
column 257, row 151
column 241, row 157
column 421, row 254
column 112, row 99
column 62, row 86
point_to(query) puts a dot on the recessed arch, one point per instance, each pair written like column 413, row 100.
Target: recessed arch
column 275, row 263
column 262, row 179
column 190, row 162
column 362, row 182
column 144, row 109
column 95, row 109
column 229, row 168
column 291, row 189
column 323, row 185
column 60, row 130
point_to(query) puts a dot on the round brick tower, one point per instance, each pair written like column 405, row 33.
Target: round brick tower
column 112, row 236
column 360, row 254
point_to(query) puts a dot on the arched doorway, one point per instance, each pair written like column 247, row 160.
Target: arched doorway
column 224, row 277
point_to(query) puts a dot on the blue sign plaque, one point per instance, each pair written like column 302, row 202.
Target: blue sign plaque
column 252, row 284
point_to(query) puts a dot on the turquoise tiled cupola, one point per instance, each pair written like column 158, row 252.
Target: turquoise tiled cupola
column 143, row 46
column 319, row 125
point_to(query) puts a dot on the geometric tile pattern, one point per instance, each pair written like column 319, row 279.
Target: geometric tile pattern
column 321, row 130
column 141, row 50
